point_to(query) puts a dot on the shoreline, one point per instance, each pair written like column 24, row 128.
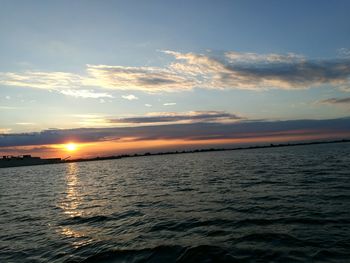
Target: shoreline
column 121, row 156
column 271, row 145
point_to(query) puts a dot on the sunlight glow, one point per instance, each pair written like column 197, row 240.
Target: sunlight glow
column 71, row 147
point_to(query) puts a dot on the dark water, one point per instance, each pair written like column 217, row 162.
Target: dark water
column 266, row 205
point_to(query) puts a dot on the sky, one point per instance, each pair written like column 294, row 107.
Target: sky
column 117, row 77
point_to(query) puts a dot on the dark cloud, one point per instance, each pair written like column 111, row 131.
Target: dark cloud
column 336, row 101
column 191, row 131
column 255, row 71
column 198, row 116
column 299, row 73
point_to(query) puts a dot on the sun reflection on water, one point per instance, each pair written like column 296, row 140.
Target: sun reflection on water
column 71, row 206
column 73, row 198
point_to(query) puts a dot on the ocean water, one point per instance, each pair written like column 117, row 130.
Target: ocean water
column 288, row 204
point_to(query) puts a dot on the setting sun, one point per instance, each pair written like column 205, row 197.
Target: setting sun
column 71, row 147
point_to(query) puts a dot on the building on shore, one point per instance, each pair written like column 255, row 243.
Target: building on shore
column 25, row 160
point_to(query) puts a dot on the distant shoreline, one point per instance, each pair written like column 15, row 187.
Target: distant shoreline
column 272, row 145
column 114, row 157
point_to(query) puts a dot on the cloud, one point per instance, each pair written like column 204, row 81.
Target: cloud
column 148, row 105
column 91, row 120
column 228, row 70
column 25, row 123
column 149, row 79
column 8, row 108
column 336, row 101
column 245, row 57
column 256, row 72
column 172, row 117
column 169, row 104
column 130, row 97
column 41, row 80
column 188, row 132
column 86, row 94
column 344, row 88
column 344, row 52
column 4, row 130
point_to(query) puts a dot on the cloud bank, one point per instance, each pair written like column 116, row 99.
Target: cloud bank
column 187, row 132
column 229, row 70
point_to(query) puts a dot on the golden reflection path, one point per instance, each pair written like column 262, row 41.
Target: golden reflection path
column 71, row 206
column 73, row 198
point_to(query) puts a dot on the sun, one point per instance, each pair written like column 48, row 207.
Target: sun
column 71, row 147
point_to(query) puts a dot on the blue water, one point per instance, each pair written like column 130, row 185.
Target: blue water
column 288, row 204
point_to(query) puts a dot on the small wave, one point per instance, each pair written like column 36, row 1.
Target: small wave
column 27, row 218
column 156, row 254
column 194, row 223
column 331, row 255
column 291, row 220
column 81, row 220
column 274, row 238
column 202, row 253
column 188, row 224
column 208, row 253
column 100, row 218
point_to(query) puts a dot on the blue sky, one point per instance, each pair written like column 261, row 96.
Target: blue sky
column 74, row 64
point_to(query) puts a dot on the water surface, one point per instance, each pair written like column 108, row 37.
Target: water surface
column 264, row 205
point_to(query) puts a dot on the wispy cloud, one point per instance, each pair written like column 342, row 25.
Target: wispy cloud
column 148, row 105
column 169, row 104
column 91, row 120
column 41, row 80
column 130, row 97
column 8, row 108
column 344, row 52
column 336, row 101
column 185, row 117
column 25, row 123
column 149, row 79
column 228, row 70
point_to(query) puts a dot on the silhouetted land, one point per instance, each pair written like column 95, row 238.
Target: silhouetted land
column 57, row 160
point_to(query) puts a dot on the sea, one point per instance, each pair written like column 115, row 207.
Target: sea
column 289, row 204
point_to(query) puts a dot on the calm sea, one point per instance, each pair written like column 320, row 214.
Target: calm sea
column 287, row 204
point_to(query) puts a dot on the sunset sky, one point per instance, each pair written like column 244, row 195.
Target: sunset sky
column 116, row 77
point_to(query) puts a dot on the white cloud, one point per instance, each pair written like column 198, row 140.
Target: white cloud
column 169, row 103
column 148, row 105
column 86, row 94
column 130, row 97
column 25, row 123
column 230, row 70
column 344, row 52
column 41, row 80
column 148, row 79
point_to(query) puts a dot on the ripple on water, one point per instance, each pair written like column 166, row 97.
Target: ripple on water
column 263, row 205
